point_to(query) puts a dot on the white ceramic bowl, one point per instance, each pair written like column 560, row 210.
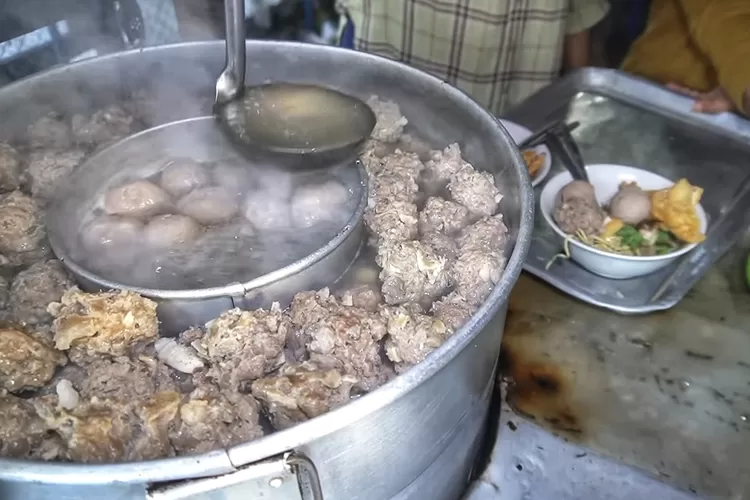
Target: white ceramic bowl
column 606, row 180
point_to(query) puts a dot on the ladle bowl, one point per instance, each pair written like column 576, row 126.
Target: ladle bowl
column 285, row 125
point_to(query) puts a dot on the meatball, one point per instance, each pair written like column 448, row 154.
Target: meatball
column 372, row 155
column 33, row 289
column 137, row 199
column 475, row 190
column 23, row 432
column 475, row 274
column 233, row 175
column 347, row 339
column 486, row 234
column 403, row 162
column 631, row 204
column 301, row 392
column 21, row 231
column 363, row 296
column 209, row 205
column 166, row 231
column 453, row 310
column 111, row 323
column 390, row 122
column 10, row 168
column 442, row 244
column 182, row 175
column 390, row 185
column 108, row 232
column 245, row 345
column 442, row 216
column 443, row 165
column 411, row 272
column 392, row 220
column 123, row 379
column 211, row 420
column 157, row 415
column 320, row 203
column 412, row 336
column 50, row 132
column 579, row 214
column 102, row 127
column 48, row 169
column 26, row 363
column 267, row 212
column 578, row 189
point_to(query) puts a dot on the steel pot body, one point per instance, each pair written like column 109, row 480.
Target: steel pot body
column 414, row 438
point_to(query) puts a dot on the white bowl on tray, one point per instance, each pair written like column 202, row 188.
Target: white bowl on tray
column 606, row 180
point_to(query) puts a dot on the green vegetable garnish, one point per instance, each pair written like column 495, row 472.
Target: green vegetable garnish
column 663, row 238
column 630, row 237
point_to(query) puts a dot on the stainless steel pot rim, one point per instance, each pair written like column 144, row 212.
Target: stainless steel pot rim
column 222, row 461
column 231, row 289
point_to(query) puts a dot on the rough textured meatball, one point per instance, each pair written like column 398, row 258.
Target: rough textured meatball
column 50, row 132
column 94, row 431
column 443, row 165
column 443, row 245
column 403, row 162
column 442, row 216
column 412, row 336
column 372, row 155
column 102, row 127
column 411, row 272
column 156, row 415
column 21, row 231
column 301, row 392
column 306, row 307
column 103, row 323
column 209, row 421
column 10, row 168
column 486, row 234
column 123, row 379
column 210, row 205
column 366, row 297
column 23, row 432
column 390, row 122
column 453, row 310
column 475, row 274
column 346, row 339
column 320, row 203
column 475, row 190
column 392, row 186
column 48, row 169
column 182, row 175
column 165, row 231
column 33, row 289
column 578, row 189
column 245, row 345
column 137, row 199
column 26, row 363
column 579, row 214
column 392, row 220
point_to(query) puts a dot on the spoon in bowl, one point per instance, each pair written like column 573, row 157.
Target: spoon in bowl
column 288, row 125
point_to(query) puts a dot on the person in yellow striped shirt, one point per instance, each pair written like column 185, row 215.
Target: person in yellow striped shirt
column 698, row 47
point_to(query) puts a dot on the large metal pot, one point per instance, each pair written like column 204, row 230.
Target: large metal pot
column 414, row 438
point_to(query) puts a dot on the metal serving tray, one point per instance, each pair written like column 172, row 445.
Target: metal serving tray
column 629, row 121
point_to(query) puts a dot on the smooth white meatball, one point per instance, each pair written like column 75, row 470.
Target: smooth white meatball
column 137, row 199
column 267, row 212
column 316, row 203
column 209, row 205
column 169, row 230
column 110, row 231
column 182, row 175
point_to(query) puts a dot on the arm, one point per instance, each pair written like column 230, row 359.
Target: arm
column 721, row 29
column 583, row 15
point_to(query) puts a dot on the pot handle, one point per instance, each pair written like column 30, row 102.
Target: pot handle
column 272, row 479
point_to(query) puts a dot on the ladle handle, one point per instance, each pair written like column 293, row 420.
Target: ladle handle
column 234, row 72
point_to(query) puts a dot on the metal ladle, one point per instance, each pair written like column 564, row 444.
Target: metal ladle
column 287, row 125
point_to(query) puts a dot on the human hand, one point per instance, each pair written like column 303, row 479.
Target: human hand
column 713, row 102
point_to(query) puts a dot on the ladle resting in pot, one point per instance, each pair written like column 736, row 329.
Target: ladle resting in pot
column 291, row 126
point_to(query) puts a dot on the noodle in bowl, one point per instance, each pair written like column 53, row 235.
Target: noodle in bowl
column 606, row 180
